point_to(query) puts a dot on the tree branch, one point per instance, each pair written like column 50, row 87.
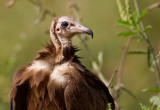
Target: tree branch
column 120, row 71
column 156, row 5
column 146, row 38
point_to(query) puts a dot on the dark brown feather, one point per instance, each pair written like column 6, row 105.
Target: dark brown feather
column 34, row 89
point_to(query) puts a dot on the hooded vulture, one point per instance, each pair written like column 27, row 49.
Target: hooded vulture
column 56, row 79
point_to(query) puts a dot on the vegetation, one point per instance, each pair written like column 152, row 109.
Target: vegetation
column 121, row 62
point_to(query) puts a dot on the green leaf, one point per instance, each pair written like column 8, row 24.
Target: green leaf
column 156, row 100
column 126, row 33
column 137, row 52
column 135, row 17
column 142, row 14
column 151, row 105
column 155, row 90
column 109, row 106
column 150, row 59
column 144, row 107
column 124, row 23
column 147, row 28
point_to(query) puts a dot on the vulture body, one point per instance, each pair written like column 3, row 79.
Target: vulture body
column 56, row 79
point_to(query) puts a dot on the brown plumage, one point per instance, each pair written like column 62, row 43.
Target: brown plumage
column 56, row 79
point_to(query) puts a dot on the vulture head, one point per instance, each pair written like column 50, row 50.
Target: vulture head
column 64, row 28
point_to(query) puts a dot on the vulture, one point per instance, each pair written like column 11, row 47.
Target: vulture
column 56, row 79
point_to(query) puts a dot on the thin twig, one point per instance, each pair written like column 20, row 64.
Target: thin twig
column 111, row 79
column 75, row 13
column 10, row 3
column 121, row 67
column 129, row 92
column 145, row 36
column 120, row 71
column 36, row 3
column 156, row 5
column 44, row 11
column 101, row 76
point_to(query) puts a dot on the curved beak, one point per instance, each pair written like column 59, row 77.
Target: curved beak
column 89, row 32
column 79, row 29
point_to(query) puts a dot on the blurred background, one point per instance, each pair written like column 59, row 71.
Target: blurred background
column 23, row 31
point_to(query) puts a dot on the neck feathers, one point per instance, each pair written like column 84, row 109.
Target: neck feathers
column 49, row 53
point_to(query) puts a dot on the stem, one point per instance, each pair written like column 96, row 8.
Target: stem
column 145, row 36
column 111, row 79
column 121, row 67
column 120, row 70
column 156, row 5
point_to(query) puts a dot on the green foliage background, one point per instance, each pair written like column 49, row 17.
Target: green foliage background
column 21, row 38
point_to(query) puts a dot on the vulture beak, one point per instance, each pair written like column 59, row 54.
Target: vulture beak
column 89, row 32
column 79, row 29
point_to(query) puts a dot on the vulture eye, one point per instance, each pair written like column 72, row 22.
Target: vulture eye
column 64, row 24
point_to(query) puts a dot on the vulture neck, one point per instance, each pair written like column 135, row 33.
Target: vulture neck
column 59, row 42
column 64, row 51
column 65, row 42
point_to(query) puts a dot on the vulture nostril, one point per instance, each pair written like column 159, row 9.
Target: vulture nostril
column 57, row 29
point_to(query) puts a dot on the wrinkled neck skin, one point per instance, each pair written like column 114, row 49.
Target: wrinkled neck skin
column 65, row 42
column 60, row 43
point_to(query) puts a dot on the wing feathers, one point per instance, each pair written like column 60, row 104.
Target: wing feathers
column 28, row 81
column 96, row 83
